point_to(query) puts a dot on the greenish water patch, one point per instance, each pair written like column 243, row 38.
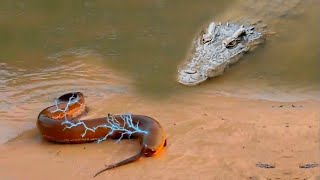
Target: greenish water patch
column 143, row 39
column 146, row 40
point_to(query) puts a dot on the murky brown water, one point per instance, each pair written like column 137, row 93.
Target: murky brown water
column 48, row 48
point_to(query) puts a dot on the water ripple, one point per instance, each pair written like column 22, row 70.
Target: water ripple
column 23, row 93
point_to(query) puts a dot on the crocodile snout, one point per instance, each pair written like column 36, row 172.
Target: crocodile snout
column 190, row 77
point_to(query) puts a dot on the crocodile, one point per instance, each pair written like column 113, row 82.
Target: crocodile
column 220, row 45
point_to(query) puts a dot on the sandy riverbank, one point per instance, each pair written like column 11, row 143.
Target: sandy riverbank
column 209, row 137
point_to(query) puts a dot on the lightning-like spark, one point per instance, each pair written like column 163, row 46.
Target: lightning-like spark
column 126, row 128
column 72, row 100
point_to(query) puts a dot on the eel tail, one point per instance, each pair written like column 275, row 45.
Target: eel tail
column 121, row 163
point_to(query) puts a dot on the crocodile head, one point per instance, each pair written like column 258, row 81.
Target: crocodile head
column 217, row 48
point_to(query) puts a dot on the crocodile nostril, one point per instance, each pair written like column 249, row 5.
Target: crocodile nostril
column 190, row 71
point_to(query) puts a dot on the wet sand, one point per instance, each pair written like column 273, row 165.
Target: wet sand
column 209, row 137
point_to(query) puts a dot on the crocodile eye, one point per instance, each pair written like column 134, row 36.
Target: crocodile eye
column 232, row 44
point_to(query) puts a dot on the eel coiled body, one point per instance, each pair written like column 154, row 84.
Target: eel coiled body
column 51, row 126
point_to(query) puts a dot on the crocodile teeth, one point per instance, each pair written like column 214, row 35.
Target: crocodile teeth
column 191, row 79
column 194, row 77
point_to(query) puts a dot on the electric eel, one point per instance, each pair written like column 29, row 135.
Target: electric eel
column 61, row 123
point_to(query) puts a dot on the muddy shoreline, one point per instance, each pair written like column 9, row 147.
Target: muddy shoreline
column 219, row 137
